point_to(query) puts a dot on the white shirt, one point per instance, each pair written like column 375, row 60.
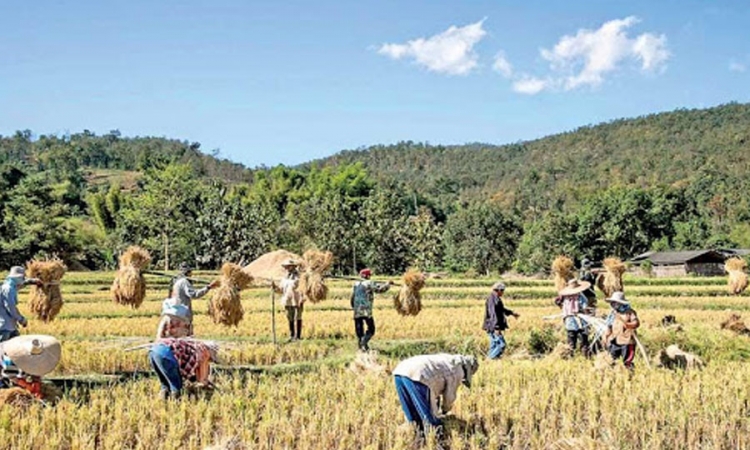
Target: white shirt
column 442, row 373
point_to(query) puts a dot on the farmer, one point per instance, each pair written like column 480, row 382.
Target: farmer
column 363, row 295
column 621, row 325
column 25, row 359
column 10, row 318
column 180, row 360
column 291, row 299
column 573, row 302
column 183, row 292
column 423, row 382
column 495, row 320
column 175, row 321
column 587, row 274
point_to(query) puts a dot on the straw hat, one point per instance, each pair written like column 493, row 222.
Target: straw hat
column 574, row 286
column 35, row 354
column 618, row 297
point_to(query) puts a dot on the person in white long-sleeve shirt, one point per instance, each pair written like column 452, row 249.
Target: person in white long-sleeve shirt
column 427, row 385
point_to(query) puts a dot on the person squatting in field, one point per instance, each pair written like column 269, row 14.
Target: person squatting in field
column 495, row 320
column 175, row 321
column 181, row 360
column 182, row 292
column 10, row 317
column 427, row 386
column 572, row 301
column 363, row 296
column 292, row 300
column 621, row 325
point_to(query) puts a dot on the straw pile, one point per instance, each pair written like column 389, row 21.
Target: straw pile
column 603, row 361
column 408, row 300
column 562, row 270
column 129, row 287
column 268, row 266
column 312, row 285
column 225, row 306
column 46, row 301
column 367, row 363
column 561, row 351
column 735, row 323
column 611, row 281
column 674, row 358
column 16, row 396
column 737, row 276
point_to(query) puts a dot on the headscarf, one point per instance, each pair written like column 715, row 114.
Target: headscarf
column 470, row 366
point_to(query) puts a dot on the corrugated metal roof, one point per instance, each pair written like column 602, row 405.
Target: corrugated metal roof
column 667, row 258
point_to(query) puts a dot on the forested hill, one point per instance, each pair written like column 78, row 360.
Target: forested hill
column 679, row 148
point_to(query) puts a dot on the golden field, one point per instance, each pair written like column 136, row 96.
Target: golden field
column 302, row 395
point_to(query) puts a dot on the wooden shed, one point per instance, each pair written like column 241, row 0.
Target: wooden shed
column 675, row 264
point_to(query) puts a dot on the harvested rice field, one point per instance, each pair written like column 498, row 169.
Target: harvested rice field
column 302, row 395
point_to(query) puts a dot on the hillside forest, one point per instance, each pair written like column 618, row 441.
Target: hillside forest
column 676, row 180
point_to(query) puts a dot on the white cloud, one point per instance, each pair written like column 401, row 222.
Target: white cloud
column 735, row 66
column 450, row 52
column 502, row 65
column 585, row 58
column 530, row 85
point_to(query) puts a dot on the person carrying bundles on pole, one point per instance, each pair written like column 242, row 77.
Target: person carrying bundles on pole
column 363, row 296
column 24, row 360
column 588, row 275
column 621, row 325
column 183, row 293
column 177, row 361
column 10, row 318
column 427, row 386
column 292, row 300
column 495, row 320
column 175, row 321
column 572, row 301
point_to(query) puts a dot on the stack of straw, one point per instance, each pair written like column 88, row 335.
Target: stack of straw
column 312, row 279
column 408, row 300
column 46, row 301
column 562, row 270
column 129, row 287
column 225, row 306
column 735, row 323
column 737, row 276
column 674, row 358
column 611, row 281
column 16, row 396
column 367, row 363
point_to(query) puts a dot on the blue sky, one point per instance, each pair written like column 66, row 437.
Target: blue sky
column 271, row 82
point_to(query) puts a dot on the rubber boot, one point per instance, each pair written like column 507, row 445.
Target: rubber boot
column 299, row 330
column 292, row 334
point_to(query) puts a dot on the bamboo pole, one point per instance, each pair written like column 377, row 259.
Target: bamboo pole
column 273, row 314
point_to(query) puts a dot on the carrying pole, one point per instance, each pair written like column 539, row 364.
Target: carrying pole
column 273, row 314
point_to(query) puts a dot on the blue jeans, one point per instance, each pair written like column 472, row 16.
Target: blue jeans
column 166, row 367
column 415, row 401
column 497, row 345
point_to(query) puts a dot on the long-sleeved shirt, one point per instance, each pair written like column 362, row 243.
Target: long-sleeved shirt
column 183, row 293
column 363, row 296
column 571, row 306
column 287, row 287
column 441, row 373
column 495, row 314
column 193, row 358
column 622, row 326
column 9, row 315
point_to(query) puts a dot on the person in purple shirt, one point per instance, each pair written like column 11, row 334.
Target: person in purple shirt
column 495, row 320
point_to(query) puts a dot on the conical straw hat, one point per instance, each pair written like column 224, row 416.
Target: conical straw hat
column 35, row 354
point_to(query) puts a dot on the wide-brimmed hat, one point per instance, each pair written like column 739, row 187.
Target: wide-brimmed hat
column 499, row 286
column 618, row 297
column 290, row 263
column 170, row 308
column 17, row 272
column 35, row 354
column 574, row 286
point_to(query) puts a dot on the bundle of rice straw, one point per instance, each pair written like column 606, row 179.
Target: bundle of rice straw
column 611, row 281
column 737, row 276
column 735, row 323
column 225, row 306
column 562, row 270
column 367, row 363
column 129, row 287
column 16, row 396
column 312, row 285
column 603, row 361
column 46, row 301
column 674, row 358
column 408, row 300
column 561, row 351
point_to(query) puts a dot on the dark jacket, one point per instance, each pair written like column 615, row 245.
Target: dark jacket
column 588, row 275
column 495, row 314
